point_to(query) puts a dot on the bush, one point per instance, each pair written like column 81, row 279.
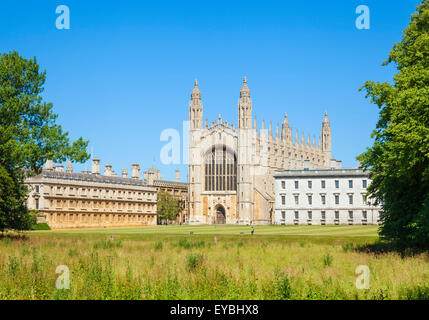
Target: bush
column 41, row 226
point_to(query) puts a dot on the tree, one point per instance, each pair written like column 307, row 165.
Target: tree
column 167, row 207
column 28, row 136
column 399, row 158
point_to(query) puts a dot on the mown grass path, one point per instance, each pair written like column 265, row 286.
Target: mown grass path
column 330, row 231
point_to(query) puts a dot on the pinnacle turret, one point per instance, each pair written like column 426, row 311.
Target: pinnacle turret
column 69, row 168
column 325, row 121
column 245, row 107
column 196, row 108
column 245, row 91
column 196, row 94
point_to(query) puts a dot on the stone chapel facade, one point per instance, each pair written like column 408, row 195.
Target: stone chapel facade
column 231, row 169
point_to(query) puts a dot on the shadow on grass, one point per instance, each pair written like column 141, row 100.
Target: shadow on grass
column 382, row 247
column 12, row 236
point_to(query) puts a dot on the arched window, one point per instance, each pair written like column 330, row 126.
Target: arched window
column 220, row 170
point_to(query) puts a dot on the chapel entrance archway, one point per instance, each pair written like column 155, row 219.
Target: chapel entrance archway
column 220, row 214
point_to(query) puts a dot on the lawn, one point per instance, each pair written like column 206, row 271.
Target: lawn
column 167, row 262
column 334, row 231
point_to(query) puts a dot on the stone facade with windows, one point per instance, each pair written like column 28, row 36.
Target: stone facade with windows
column 66, row 199
column 323, row 196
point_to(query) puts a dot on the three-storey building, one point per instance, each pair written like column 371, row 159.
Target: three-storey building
column 323, row 196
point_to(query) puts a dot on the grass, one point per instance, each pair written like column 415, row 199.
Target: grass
column 334, row 231
column 327, row 260
column 166, row 262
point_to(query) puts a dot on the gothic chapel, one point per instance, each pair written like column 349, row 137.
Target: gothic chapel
column 231, row 170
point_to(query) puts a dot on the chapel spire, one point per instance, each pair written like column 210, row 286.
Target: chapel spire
column 326, row 133
column 245, row 107
column 196, row 108
column 285, row 128
column 326, row 139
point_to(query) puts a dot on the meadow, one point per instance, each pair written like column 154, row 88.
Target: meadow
column 168, row 262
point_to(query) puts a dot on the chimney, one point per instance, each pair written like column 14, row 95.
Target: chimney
column 135, row 171
column 339, row 164
column 124, row 173
column 306, row 164
column 108, row 171
column 150, row 176
column 96, row 166
column 49, row 165
column 333, row 164
column 145, row 175
column 177, row 179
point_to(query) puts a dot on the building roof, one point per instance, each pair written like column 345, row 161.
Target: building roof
column 321, row 172
column 166, row 183
column 91, row 178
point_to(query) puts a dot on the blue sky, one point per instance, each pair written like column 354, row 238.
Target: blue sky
column 124, row 71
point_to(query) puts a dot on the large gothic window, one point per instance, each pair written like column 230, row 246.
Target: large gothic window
column 220, row 170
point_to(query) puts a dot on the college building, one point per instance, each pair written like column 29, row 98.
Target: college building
column 65, row 199
column 323, row 196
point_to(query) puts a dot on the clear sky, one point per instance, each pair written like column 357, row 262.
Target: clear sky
column 125, row 70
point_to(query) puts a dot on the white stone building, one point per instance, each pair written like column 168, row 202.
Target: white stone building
column 323, row 196
column 231, row 168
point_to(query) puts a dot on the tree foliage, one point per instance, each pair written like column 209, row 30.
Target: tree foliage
column 28, row 136
column 167, row 207
column 399, row 158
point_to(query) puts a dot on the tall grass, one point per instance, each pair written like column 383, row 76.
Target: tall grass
column 168, row 267
column 194, row 261
column 327, row 260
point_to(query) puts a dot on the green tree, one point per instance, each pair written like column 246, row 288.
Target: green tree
column 167, row 207
column 399, row 158
column 28, row 136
